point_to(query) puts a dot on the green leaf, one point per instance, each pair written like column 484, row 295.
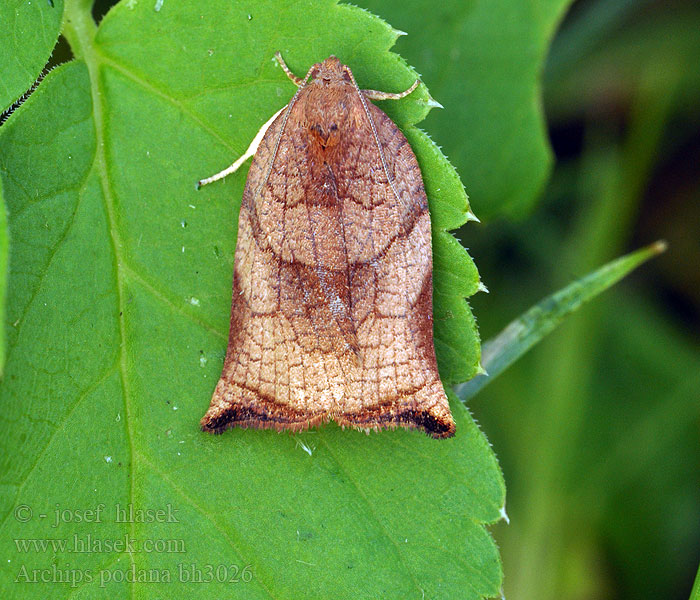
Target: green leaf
column 118, row 303
column 28, row 33
column 528, row 329
column 4, row 248
column 483, row 62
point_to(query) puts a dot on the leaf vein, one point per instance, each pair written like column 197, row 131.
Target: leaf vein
column 60, row 427
column 199, row 509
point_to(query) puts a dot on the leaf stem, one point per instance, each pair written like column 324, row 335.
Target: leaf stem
column 79, row 28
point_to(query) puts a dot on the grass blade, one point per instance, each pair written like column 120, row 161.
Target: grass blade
column 525, row 331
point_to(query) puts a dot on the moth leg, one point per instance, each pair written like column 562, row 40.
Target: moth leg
column 377, row 95
column 298, row 81
column 252, row 149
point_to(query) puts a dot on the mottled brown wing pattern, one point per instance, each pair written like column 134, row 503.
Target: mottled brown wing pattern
column 332, row 294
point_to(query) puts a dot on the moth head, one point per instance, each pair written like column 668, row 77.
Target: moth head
column 327, row 101
column 331, row 72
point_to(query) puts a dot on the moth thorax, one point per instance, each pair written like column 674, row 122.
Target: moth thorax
column 325, row 125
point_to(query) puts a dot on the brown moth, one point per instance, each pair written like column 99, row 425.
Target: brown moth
column 331, row 315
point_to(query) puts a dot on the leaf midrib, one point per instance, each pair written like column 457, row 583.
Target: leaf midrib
column 80, row 29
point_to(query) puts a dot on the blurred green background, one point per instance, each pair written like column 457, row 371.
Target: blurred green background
column 598, row 428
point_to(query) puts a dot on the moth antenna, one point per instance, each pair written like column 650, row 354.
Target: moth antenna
column 374, row 134
column 252, row 149
column 298, row 81
column 377, row 95
column 301, row 84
